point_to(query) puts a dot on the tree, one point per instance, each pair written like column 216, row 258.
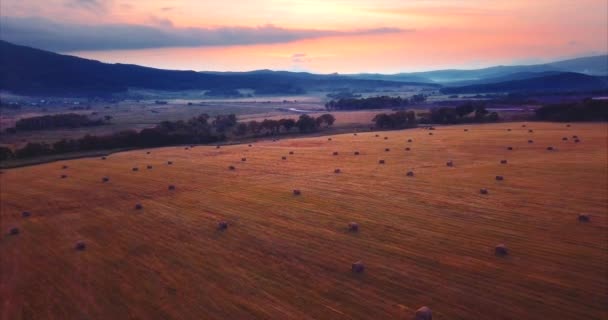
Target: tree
column 287, row 124
column 6, row 153
column 306, row 123
column 327, row 118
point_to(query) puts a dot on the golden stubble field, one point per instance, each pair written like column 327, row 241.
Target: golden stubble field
column 425, row 240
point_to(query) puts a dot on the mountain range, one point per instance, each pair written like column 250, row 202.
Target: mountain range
column 30, row 71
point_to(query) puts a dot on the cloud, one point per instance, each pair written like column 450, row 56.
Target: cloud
column 46, row 34
column 87, row 4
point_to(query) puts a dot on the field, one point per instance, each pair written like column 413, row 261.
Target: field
column 425, row 240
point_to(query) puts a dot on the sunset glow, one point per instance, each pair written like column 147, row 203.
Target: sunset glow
column 320, row 36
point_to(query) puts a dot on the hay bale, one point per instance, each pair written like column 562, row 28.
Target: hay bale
column 284, row 158
column 135, row 169
column 64, row 167
column 243, row 159
column 358, row 267
column 385, row 138
column 337, row 171
column 222, row 225
column 565, row 139
column 575, row 137
column 577, row 141
column 105, row 179
column 149, row 167
column 409, row 140
column 377, row 135
column 523, row 125
column 499, row 178
column 328, row 139
column 449, row 163
column 171, row 187
column 550, row 148
column 407, row 149
column 381, row 162
column 186, row 148
column 63, row 176
column 297, row 192
column 354, row 134
column 290, row 152
column 26, row 214
column 80, row 246
column 410, row 173
column 387, row 150
column 231, row 168
column 250, row 146
column 503, row 161
column 13, row 231
column 584, row 218
column 466, row 130
column 169, row 162
column 509, row 148
column 430, row 133
column 335, row 153
column 103, row 158
column 353, row 227
column 530, row 141
column 424, row 313
column 568, row 126
column 501, row 250
column 148, row 152
column 138, row 206
column 509, row 129
column 530, row 131
column 483, row 191
column 356, row 153
column 217, row 147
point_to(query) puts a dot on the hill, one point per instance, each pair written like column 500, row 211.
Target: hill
column 31, row 71
column 561, row 82
column 424, row 240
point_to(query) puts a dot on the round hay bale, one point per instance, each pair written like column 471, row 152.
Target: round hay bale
column 381, row 162
column 335, row 153
column 523, row 125
column 510, row 148
column 575, row 137
column 290, row 152
column 530, row 131
column 410, row 173
column 430, row 133
column 13, row 231
column 63, row 176
column 356, row 153
column 171, row 187
column 64, row 167
column 328, row 139
column 149, row 167
column 138, row 206
column 26, row 214
column 148, row 152
column 385, row 138
column 449, row 163
column 80, row 246
column 358, row 267
column 284, row 158
column 424, row 313
column 466, row 130
column 337, row 171
column 550, row 148
column 407, row 149
column 217, row 147
column 377, row 135
column 103, row 158
column 530, row 141
column 186, row 148
column 105, row 179
column 509, row 129
column 503, row 161
column 243, row 159
column 409, row 140
column 501, row 250
column 222, row 225
column 387, row 150
column 568, row 126
column 250, row 146
column 431, row 128
column 135, row 169
column 584, row 218
column 169, row 162
column 483, row 191
column 577, row 140
column 297, row 192
column 565, row 139
column 353, row 227
column 354, row 134
column 231, row 168
column 499, row 178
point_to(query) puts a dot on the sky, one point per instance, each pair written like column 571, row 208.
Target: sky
column 322, row 36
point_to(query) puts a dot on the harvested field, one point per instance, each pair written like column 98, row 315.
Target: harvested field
column 425, row 241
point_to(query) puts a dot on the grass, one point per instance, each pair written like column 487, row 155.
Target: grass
column 424, row 240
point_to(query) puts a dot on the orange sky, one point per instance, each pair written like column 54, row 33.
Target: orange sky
column 434, row 33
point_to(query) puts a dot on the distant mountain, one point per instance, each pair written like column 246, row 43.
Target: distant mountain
column 560, row 82
column 402, row 77
column 25, row 70
column 596, row 65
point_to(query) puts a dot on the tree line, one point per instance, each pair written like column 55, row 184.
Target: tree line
column 67, row 120
column 379, row 102
column 586, row 110
column 198, row 130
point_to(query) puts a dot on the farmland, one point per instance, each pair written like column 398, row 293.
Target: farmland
column 427, row 240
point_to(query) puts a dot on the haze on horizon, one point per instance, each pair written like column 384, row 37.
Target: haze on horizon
column 323, row 36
